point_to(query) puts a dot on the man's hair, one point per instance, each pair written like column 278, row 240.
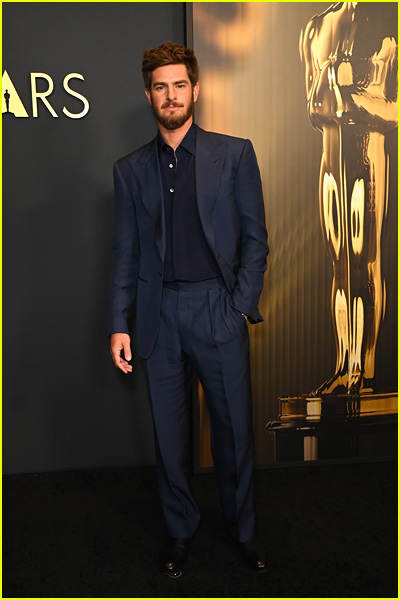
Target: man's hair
column 169, row 53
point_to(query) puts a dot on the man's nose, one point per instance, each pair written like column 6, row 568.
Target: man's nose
column 171, row 93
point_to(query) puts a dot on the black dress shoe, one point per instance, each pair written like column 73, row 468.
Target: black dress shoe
column 173, row 556
column 254, row 555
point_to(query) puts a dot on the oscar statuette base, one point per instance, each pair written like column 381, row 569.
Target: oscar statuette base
column 330, row 427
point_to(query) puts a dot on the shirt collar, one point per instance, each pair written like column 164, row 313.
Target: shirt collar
column 188, row 142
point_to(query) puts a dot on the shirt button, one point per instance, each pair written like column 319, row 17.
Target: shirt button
column 171, row 189
column 171, row 166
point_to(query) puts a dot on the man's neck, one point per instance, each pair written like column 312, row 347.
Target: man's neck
column 173, row 137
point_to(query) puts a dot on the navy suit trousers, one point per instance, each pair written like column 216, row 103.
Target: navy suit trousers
column 200, row 330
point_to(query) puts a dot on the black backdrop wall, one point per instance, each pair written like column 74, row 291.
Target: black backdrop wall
column 64, row 405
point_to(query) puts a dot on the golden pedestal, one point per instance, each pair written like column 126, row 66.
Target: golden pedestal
column 335, row 427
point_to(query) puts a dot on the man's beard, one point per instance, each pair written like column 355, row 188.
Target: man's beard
column 172, row 121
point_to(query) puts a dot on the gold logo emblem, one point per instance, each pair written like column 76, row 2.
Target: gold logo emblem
column 12, row 105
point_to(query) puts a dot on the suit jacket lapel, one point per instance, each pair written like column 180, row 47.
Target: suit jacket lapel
column 151, row 190
column 209, row 163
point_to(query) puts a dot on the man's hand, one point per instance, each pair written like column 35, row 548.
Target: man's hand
column 121, row 342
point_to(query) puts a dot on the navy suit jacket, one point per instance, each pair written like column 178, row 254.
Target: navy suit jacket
column 231, row 209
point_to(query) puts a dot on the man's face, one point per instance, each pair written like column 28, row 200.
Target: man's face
column 172, row 96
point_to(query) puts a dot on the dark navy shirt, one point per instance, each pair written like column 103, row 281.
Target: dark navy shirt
column 188, row 256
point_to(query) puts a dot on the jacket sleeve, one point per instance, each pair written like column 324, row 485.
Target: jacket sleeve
column 125, row 262
column 254, row 240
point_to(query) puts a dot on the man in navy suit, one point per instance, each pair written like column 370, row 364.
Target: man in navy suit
column 190, row 246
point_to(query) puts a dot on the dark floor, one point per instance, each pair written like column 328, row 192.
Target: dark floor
column 331, row 531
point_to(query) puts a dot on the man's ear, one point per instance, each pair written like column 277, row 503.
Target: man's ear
column 196, row 89
column 147, row 92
